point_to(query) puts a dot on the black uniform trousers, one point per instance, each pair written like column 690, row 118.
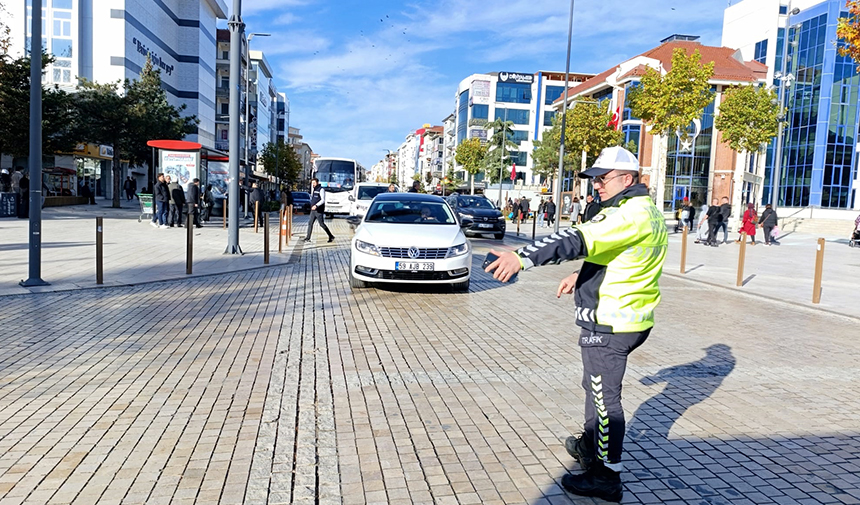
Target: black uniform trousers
column 604, row 361
column 317, row 216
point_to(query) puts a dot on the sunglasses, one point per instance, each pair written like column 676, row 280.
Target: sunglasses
column 602, row 179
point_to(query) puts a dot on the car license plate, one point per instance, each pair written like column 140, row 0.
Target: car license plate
column 484, row 225
column 404, row 265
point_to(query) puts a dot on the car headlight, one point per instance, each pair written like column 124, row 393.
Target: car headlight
column 458, row 250
column 467, row 216
column 366, row 248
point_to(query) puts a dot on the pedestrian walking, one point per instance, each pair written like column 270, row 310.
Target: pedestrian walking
column 691, row 213
column 208, row 202
column 256, row 196
column 715, row 217
column 615, row 294
column 748, row 223
column 702, row 226
column 550, row 212
column 194, row 202
column 726, row 211
column 15, row 181
column 5, row 181
column 24, row 196
column 162, row 202
column 127, row 187
column 317, row 210
column 591, row 209
column 576, row 211
column 177, row 202
column 286, row 198
column 768, row 222
column 541, row 213
column 515, row 210
column 524, row 209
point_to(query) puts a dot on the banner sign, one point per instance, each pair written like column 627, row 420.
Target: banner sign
column 481, row 92
column 181, row 166
column 478, row 133
column 516, row 77
column 219, row 177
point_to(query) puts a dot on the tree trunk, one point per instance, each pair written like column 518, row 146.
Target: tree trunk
column 117, row 179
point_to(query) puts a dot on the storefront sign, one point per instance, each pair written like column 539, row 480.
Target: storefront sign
column 154, row 57
column 181, row 166
column 516, row 77
column 478, row 133
column 106, row 151
column 480, row 92
column 94, row 151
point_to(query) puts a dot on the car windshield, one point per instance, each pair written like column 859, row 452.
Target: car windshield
column 410, row 212
column 474, row 202
column 368, row 192
column 301, row 195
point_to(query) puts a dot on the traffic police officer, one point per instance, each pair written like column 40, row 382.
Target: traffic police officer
column 616, row 290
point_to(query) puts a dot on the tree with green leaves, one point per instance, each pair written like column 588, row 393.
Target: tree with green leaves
column 280, row 160
column 58, row 112
column 470, row 155
column 5, row 32
column 588, row 130
column 669, row 103
column 451, row 182
column 127, row 116
column 498, row 156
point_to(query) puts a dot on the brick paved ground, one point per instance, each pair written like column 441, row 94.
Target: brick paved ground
column 283, row 386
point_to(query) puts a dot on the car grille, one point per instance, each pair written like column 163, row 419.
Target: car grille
column 423, row 254
column 402, row 275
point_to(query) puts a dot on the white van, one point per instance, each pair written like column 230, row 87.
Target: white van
column 363, row 193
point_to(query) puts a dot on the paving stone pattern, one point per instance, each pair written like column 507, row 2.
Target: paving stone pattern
column 281, row 385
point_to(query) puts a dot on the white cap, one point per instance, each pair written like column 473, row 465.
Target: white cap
column 612, row 158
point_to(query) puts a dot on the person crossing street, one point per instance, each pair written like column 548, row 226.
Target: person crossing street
column 616, row 291
column 317, row 210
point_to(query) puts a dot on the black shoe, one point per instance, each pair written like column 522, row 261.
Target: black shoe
column 582, row 450
column 331, row 239
column 306, row 240
column 599, row 482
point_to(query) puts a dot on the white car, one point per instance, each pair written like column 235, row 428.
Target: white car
column 363, row 194
column 410, row 238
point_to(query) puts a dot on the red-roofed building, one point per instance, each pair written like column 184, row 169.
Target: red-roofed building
column 700, row 169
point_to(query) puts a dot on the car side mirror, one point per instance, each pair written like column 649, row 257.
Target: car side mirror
column 351, row 198
column 353, row 220
column 466, row 223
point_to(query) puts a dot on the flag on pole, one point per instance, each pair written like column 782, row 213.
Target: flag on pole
column 615, row 122
column 514, row 172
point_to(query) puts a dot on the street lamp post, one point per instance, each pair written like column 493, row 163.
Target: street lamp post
column 237, row 27
column 35, row 166
column 502, row 159
column 557, row 192
column 783, row 77
column 248, row 110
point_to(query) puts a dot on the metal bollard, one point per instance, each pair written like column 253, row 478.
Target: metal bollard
column 99, row 250
column 819, row 270
column 741, row 257
column 684, row 251
column 189, row 242
column 266, row 239
column 289, row 223
column 224, row 211
column 281, row 227
column 534, row 226
column 256, row 215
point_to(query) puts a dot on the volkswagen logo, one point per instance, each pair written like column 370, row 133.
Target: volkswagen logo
column 414, row 252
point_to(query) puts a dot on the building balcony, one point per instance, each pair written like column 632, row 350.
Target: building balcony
column 222, row 91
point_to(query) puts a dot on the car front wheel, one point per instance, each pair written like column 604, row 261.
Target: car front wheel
column 356, row 283
column 462, row 287
column 499, row 236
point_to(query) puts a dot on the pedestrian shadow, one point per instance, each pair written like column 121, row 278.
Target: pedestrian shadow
column 686, row 385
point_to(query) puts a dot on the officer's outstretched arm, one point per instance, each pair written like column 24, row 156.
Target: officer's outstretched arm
column 567, row 244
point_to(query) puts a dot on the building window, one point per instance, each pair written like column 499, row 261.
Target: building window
column 602, row 95
column 783, row 10
column 518, row 136
column 687, row 170
column 553, row 93
column 513, row 92
column 519, row 158
column 462, row 116
column 517, row 116
column 760, row 51
column 480, row 111
column 547, row 117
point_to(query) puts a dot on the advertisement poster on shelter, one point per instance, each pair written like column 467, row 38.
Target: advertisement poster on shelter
column 219, row 178
column 181, row 166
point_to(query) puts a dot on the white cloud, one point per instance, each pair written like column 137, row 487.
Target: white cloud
column 286, row 19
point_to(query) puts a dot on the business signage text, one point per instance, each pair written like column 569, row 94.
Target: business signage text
column 516, row 77
column 156, row 59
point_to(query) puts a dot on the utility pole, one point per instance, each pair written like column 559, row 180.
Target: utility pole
column 557, row 192
column 35, row 270
column 237, row 27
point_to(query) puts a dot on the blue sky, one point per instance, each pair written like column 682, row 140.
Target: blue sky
column 360, row 75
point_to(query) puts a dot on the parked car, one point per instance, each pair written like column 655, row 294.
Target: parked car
column 485, row 217
column 362, row 194
column 302, row 201
column 410, row 238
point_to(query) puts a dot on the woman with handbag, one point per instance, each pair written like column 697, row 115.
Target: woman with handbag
column 768, row 223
